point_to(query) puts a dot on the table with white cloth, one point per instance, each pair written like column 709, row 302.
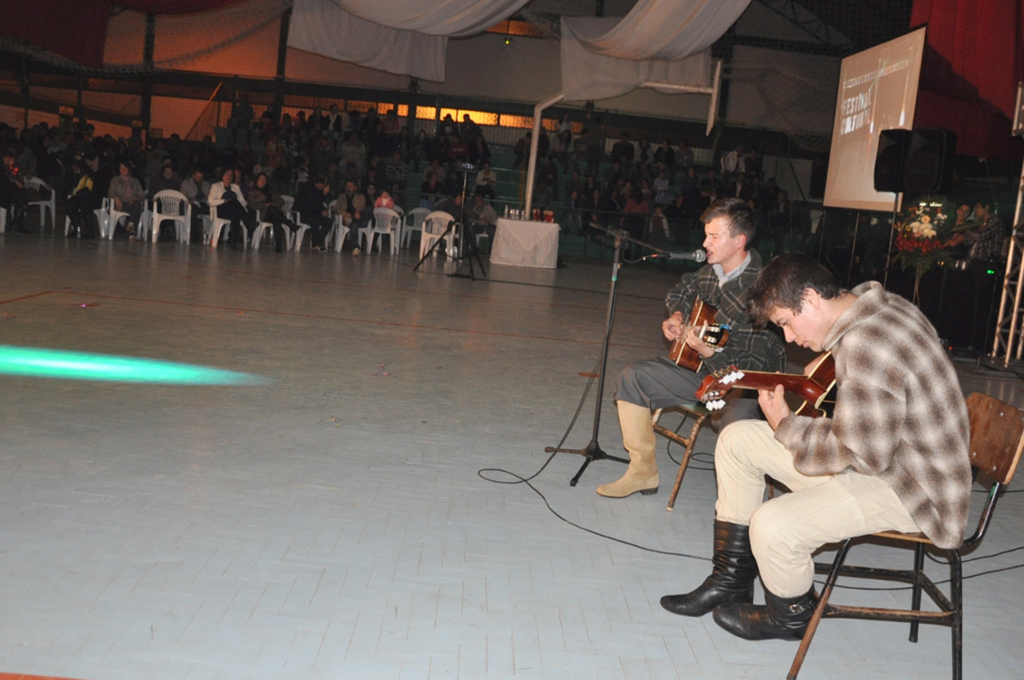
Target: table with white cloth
column 521, row 243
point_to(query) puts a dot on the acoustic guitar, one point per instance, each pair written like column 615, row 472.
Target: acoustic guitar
column 811, row 388
column 702, row 315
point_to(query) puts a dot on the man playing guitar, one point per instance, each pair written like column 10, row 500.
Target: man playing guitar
column 893, row 456
column 659, row 383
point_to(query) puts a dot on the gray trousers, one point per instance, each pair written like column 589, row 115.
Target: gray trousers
column 659, row 383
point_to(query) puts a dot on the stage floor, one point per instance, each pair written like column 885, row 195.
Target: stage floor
column 330, row 521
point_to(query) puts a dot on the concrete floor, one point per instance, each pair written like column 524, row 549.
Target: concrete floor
column 332, row 523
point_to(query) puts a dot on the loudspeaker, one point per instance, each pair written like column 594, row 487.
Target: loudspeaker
column 930, row 160
column 889, row 163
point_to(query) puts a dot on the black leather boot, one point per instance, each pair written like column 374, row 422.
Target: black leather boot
column 780, row 618
column 732, row 576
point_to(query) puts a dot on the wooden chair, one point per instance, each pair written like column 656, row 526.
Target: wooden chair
column 997, row 437
column 699, row 414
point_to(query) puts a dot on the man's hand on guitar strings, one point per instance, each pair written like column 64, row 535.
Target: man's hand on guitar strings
column 694, row 339
column 773, row 403
column 672, row 327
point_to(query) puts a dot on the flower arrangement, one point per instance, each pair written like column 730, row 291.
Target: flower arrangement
column 922, row 233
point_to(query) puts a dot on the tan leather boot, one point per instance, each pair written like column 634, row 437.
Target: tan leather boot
column 638, row 438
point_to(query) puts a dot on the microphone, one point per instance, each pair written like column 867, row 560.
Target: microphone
column 696, row 256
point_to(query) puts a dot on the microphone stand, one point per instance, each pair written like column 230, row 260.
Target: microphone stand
column 593, row 450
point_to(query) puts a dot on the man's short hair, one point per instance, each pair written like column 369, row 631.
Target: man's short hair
column 782, row 282
column 737, row 214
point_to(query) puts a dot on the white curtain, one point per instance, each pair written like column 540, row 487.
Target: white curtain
column 453, row 18
column 666, row 30
column 319, row 26
column 588, row 76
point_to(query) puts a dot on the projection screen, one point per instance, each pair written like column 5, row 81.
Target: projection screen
column 877, row 91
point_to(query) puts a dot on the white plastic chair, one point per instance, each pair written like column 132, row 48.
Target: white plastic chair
column 338, row 232
column 434, row 226
column 413, row 222
column 261, row 228
column 296, row 238
column 111, row 218
column 385, row 222
column 171, row 204
column 67, row 221
column 46, row 204
column 216, row 224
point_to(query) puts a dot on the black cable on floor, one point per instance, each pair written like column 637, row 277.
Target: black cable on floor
column 518, row 479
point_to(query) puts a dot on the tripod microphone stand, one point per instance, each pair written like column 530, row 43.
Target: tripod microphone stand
column 457, row 227
column 593, row 450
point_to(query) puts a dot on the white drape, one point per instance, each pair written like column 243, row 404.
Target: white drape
column 321, row 27
column 666, row 30
column 453, row 18
column 589, row 76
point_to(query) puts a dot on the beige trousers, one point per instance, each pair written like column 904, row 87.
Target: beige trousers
column 785, row 531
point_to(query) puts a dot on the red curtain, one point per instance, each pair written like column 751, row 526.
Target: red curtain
column 973, row 62
column 77, row 29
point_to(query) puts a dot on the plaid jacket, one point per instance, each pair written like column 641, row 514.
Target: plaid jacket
column 900, row 413
column 746, row 348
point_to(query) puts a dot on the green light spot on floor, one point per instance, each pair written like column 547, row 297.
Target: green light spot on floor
column 49, row 363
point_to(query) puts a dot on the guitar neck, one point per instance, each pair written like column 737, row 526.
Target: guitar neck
column 802, row 386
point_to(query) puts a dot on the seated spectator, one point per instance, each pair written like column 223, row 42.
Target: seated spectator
column 574, row 183
column 435, row 170
column 689, row 186
column 311, row 205
column 481, row 217
column 485, row 181
column 270, row 207
column 166, row 180
column 479, row 152
column 665, row 159
column 542, row 195
column 623, row 151
column 547, row 172
column 13, row 195
column 85, row 198
column 422, row 150
column 741, row 188
column 371, row 194
column 458, row 152
column 658, row 236
column 226, row 196
column 572, row 216
column 196, row 191
column 453, row 206
column 431, row 192
column 384, row 200
column 351, row 205
column 394, row 173
column 353, row 152
column 684, row 157
column 127, row 195
column 662, row 196
column 635, row 214
column 712, row 184
column 676, row 214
